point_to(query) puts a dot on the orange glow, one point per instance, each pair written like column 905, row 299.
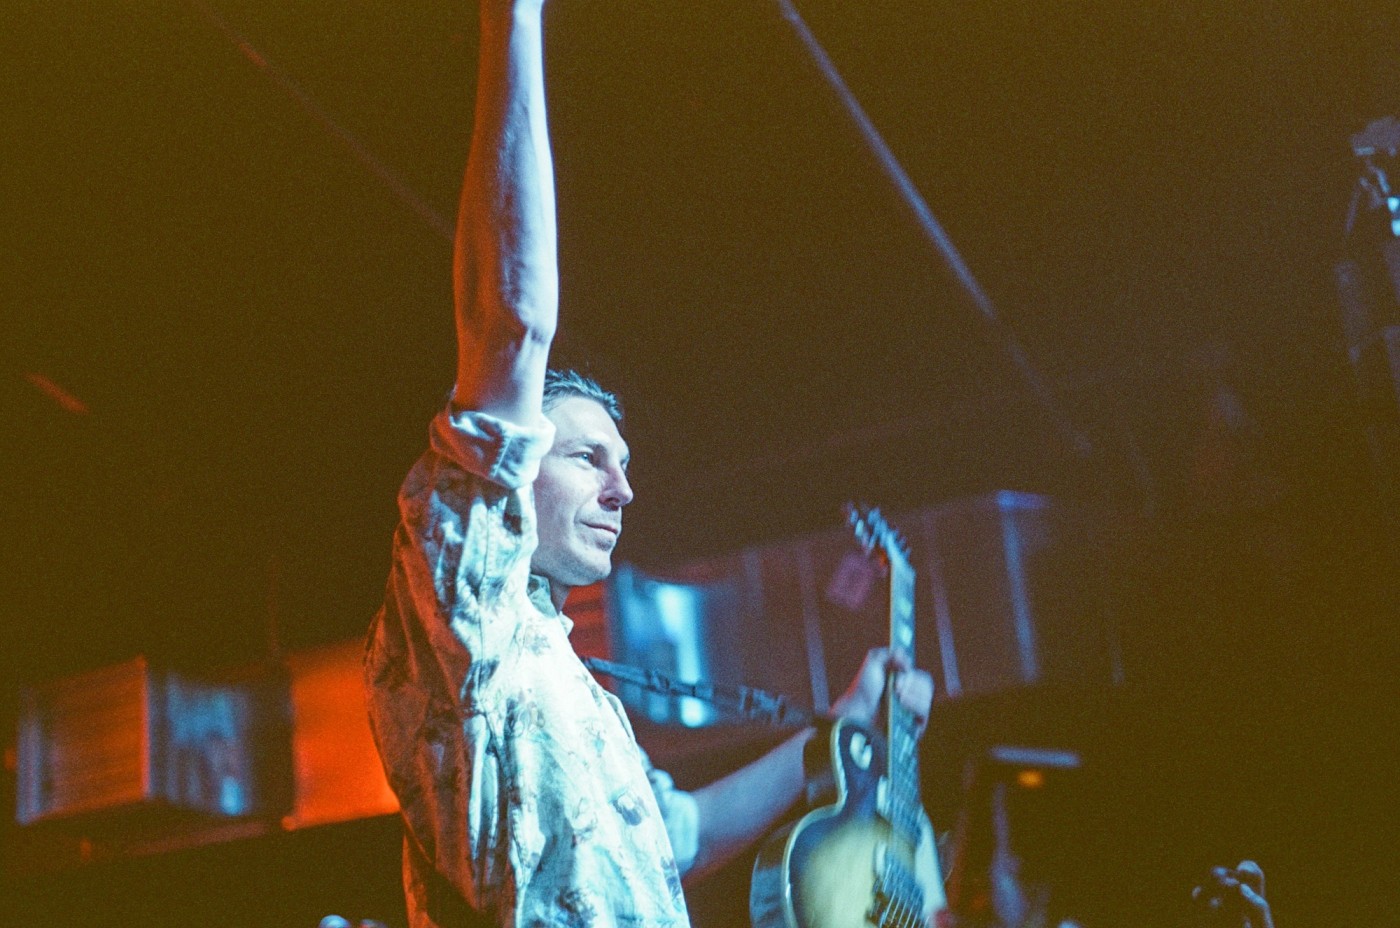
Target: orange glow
column 337, row 770
column 56, row 393
column 1030, row 779
column 588, row 610
column 252, row 55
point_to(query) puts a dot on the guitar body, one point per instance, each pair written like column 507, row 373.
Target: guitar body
column 843, row 864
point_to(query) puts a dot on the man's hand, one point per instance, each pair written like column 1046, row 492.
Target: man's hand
column 913, row 688
column 1236, row 897
column 737, row 810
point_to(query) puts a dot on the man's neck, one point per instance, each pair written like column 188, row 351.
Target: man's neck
column 558, row 594
column 545, row 595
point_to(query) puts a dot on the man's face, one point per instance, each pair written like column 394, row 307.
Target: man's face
column 579, row 495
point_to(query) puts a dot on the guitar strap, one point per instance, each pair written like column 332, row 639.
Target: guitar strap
column 746, row 702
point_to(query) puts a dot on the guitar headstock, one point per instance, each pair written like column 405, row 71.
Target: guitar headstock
column 874, row 534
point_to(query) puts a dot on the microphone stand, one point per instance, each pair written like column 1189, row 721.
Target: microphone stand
column 935, row 233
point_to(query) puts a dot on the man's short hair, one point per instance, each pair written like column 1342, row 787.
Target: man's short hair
column 559, row 385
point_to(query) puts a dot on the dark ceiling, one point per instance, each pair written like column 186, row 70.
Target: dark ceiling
column 199, row 248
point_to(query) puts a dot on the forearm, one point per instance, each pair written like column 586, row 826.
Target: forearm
column 506, row 278
column 736, row 811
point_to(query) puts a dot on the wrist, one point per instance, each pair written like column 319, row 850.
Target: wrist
column 853, row 709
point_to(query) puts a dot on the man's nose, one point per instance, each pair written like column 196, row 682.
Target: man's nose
column 617, row 492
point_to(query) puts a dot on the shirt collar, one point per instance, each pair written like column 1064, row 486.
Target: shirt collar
column 539, row 592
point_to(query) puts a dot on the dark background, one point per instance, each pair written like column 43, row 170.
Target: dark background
column 1153, row 194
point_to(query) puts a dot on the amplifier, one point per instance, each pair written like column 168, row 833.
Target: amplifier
column 133, row 739
column 1017, row 599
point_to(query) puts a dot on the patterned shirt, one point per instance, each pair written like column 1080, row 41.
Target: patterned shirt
column 525, row 797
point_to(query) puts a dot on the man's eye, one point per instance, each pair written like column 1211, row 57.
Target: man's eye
column 584, row 456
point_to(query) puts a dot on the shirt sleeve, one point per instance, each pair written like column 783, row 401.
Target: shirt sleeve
column 455, row 597
column 494, row 449
column 680, row 813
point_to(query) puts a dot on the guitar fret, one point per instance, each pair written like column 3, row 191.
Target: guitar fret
column 898, row 891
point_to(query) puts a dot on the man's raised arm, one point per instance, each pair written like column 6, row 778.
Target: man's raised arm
column 505, row 263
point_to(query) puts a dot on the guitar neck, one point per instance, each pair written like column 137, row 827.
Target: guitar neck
column 900, row 803
column 902, row 739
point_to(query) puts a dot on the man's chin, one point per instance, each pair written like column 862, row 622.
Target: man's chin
column 575, row 568
column 603, row 572
column 591, row 570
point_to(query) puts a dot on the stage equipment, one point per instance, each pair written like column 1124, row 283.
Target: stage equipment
column 136, row 741
column 681, row 629
column 1009, row 847
column 933, row 231
column 743, row 702
column 1368, row 282
column 1016, row 597
column 1012, row 593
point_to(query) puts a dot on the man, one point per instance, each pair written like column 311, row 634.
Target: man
column 525, row 798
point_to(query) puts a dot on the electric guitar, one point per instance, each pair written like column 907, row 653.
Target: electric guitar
column 867, row 857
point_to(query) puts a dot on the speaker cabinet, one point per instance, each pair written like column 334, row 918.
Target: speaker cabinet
column 134, row 740
column 1015, row 595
